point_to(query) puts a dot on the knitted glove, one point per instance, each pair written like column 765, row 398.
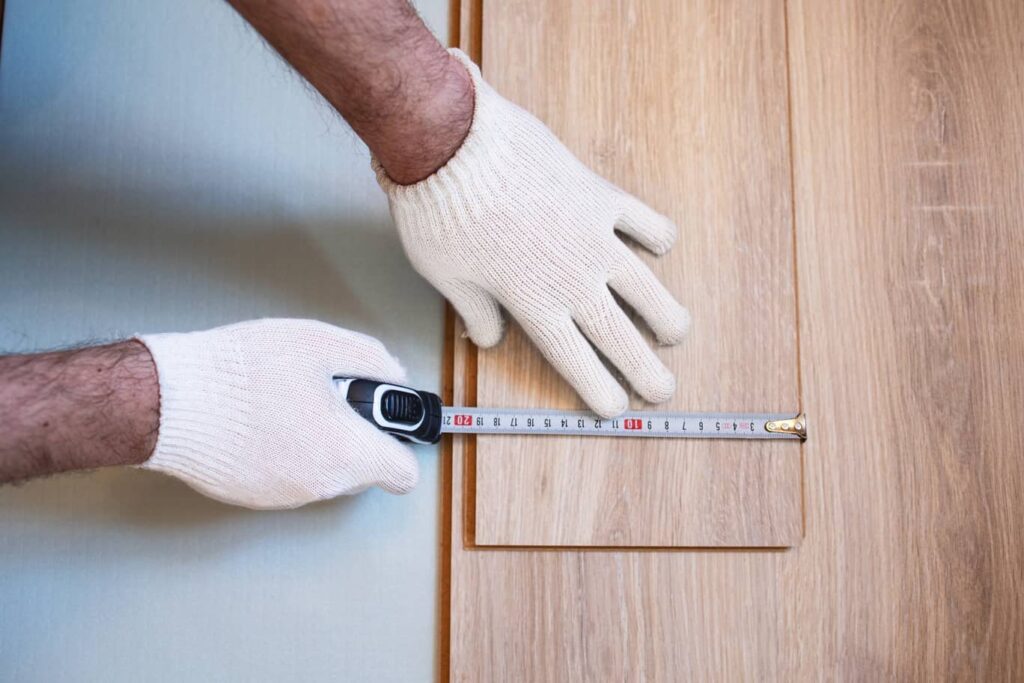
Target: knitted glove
column 515, row 220
column 249, row 415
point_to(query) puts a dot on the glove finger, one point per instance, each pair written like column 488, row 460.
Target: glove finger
column 657, row 233
column 642, row 290
column 614, row 334
column 478, row 310
column 354, row 354
column 400, row 471
column 574, row 359
column 384, row 461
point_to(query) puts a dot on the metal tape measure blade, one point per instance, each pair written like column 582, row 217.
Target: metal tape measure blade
column 650, row 425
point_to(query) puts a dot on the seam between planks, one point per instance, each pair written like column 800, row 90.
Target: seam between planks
column 796, row 271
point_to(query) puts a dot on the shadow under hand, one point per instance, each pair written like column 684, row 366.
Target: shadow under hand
column 134, row 513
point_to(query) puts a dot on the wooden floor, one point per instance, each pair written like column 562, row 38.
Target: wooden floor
column 905, row 129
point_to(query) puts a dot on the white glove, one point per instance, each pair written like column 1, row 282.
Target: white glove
column 249, row 414
column 515, row 219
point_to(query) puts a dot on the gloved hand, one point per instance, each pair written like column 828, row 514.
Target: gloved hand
column 249, row 415
column 515, row 220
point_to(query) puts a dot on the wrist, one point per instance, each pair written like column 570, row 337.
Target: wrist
column 418, row 141
column 471, row 170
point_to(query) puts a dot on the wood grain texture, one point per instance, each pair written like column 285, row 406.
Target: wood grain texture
column 684, row 105
column 908, row 133
column 908, row 141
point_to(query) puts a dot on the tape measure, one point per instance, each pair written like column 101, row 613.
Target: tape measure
column 419, row 416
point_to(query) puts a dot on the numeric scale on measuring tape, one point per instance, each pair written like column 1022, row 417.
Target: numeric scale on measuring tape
column 419, row 416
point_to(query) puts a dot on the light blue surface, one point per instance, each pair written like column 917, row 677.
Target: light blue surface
column 161, row 169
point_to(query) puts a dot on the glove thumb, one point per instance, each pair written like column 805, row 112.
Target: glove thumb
column 478, row 310
column 386, row 461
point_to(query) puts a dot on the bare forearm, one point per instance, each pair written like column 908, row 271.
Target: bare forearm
column 78, row 409
column 381, row 68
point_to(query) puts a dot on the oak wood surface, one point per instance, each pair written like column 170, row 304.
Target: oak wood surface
column 684, row 105
column 908, row 140
column 908, row 131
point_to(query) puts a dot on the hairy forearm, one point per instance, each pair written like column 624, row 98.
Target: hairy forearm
column 77, row 409
column 381, row 68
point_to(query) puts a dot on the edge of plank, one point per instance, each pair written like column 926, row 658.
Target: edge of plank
column 465, row 31
column 790, row 151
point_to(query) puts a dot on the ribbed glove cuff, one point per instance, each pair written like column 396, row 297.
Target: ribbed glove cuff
column 192, row 440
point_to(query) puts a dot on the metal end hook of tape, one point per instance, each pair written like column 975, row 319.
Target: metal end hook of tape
column 794, row 425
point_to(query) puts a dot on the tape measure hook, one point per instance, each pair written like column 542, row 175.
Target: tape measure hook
column 795, row 425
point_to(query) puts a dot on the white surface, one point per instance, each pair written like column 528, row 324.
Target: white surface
column 161, row 170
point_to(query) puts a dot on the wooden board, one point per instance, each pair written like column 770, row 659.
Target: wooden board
column 908, row 154
column 684, row 105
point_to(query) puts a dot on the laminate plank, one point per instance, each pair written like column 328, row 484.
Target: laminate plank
column 908, row 141
column 684, row 105
column 908, row 132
